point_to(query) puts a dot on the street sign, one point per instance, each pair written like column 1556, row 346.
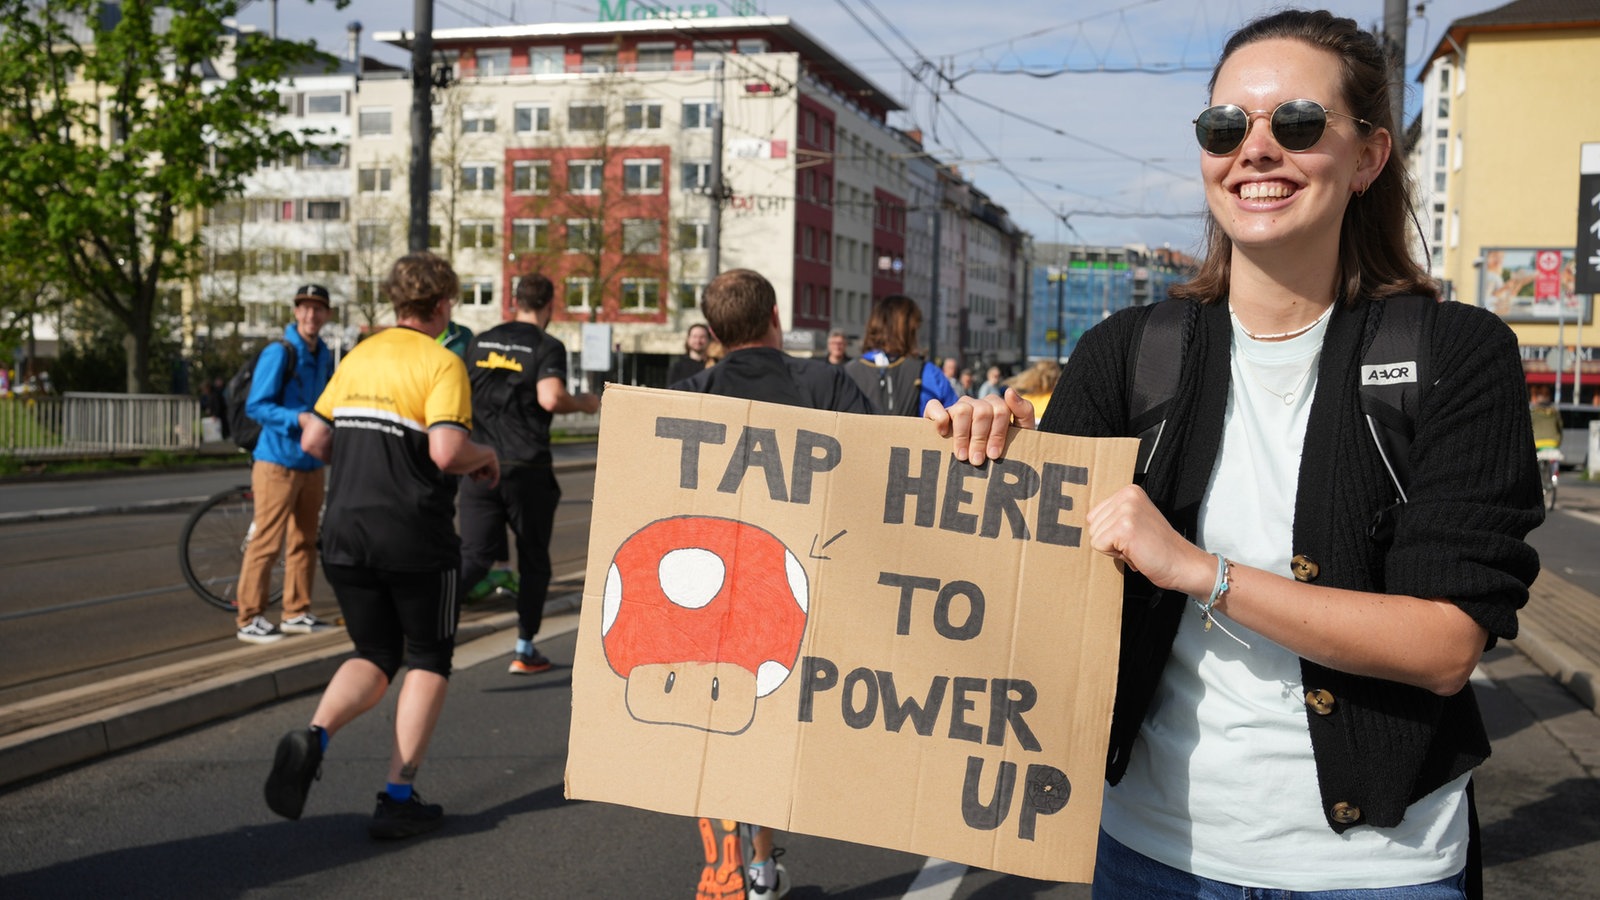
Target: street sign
column 1588, row 245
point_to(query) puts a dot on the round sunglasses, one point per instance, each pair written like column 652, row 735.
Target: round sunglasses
column 1296, row 125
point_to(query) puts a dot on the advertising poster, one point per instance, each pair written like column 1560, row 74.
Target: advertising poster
column 1531, row 285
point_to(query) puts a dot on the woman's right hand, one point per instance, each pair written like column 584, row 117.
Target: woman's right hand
column 978, row 428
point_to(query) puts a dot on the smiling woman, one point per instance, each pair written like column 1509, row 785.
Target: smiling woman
column 1326, row 718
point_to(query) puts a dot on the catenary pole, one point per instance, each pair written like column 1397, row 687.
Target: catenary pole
column 715, row 188
column 421, row 123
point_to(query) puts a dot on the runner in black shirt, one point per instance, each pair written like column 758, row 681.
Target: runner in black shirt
column 519, row 381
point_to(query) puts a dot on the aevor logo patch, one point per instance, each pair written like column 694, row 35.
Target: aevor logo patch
column 1390, row 373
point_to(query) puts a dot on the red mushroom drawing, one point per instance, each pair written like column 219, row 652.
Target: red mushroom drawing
column 703, row 616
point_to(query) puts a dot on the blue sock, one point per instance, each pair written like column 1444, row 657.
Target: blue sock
column 399, row 793
column 525, row 646
column 323, row 737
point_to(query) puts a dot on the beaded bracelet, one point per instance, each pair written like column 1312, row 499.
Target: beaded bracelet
column 1219, row 589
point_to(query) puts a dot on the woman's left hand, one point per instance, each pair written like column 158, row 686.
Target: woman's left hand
column 1126, row 526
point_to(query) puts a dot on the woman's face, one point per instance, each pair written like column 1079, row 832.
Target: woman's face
column 1266, row 198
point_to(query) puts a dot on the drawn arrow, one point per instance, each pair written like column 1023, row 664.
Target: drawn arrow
column 815, row 548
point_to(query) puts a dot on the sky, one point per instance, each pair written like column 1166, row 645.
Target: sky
column 1073, row 116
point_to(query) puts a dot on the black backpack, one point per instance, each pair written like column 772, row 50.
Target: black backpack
column 246, row 431
column 895, row 389
column 1392, row 380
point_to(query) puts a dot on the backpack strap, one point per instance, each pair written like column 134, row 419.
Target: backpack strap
column 1394, row 372
column 1157, row 362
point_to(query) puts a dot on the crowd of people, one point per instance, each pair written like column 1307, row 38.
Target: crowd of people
column 1324, row 718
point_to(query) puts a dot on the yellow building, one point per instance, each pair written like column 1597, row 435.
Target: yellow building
column 1505, row 113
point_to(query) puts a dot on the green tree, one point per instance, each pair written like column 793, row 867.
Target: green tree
column 118, row 123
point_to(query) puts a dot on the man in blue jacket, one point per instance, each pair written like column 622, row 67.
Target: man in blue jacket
column 287, row 481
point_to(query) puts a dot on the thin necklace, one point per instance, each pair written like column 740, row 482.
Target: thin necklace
column 1288, row 397
column 1286, row 334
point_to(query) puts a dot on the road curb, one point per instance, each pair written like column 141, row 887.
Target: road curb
column 1558, row 659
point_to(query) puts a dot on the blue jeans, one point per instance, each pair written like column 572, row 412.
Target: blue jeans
column 1123, row 874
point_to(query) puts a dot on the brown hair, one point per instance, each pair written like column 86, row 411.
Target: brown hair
column 1374, row 256
column 534, row 292
column 417, row 282
column 738, row 306
column 893, row 325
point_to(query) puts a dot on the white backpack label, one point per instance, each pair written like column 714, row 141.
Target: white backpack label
column 1391, row 373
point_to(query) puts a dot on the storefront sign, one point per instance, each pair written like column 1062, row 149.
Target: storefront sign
column 1588, row 274
column 626, row 10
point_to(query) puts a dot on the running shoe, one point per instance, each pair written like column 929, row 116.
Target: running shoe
column 775, row 890
column 297, row 763
column 260, row 631
column 393, row 820
column 529, row 663
column 305, row 623
column 496, row 581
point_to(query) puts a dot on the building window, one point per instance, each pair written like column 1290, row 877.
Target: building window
column 477, row 176
column 640, row 116
column 687, row 294
column 642, row 176
column 477, row 233
column 586, row 116
column 1461, row 151
column 477, row 292
column 493, row 63
column 530, row 176
column 324, row 261
column 373, row 181
column 369, row 291
column 583, row 176
column 325, row 158
column 641, row 294
column 435, row 236
column 1444, row 107
column 530, row 118
column 325, row 103
column 528, row 235
column 583, row 236
column 655, row 57
column 576, row 293
column 641, row 236
column 325, row 210
column 477, row 119
column 697, row 113
column 599, row 58
column 694, row 177
column 547, row 60
column 375, row 120
column 692, row 234
column 1439, row 183
column 750, row 46
column 372, row 235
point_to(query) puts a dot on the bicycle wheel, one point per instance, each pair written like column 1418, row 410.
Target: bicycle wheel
column 211, row 549
column 1550, row 486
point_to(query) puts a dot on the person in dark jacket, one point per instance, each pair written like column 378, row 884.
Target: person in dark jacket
column 1321, row 737
column 694, row 357
column 742, row 307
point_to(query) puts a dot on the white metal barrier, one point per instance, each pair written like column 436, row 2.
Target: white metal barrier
column 75, row 424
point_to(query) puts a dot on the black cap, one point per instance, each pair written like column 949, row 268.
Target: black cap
column 313, row 292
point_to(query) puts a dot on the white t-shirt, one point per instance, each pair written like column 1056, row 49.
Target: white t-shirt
column 1222, row 782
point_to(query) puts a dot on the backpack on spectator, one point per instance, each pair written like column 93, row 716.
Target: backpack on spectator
column 246, row 431
column 895, row 389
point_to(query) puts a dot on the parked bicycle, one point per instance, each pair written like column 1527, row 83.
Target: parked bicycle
column 211, row 549
column 1549, row 473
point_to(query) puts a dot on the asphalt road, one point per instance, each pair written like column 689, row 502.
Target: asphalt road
column 90, row 597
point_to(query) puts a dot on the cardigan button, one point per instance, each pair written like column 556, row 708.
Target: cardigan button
column 1304, row 569
column 1346, row 814
column 1320, row 701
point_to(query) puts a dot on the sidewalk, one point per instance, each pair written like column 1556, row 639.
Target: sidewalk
column 1560, row 634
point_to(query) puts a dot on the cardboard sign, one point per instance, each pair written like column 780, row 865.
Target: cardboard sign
column 826, row 624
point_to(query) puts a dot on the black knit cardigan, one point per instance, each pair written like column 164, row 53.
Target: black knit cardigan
column 1473, row 496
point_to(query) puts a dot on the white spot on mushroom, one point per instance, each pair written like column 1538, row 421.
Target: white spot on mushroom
column 612, row 601
column 769, row 677
column 691, row 577
column 799, row 585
